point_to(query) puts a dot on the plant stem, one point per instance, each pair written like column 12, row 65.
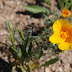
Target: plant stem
column 30, row 67
column 22, row 68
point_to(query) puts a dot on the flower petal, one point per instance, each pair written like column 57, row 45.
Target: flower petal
column 55, row 39
column 66, row 13
column 69, row 39
column 65, row 46
column 59, row 24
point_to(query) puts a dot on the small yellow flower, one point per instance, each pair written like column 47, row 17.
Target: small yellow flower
column 62, row 34
column 66, row 13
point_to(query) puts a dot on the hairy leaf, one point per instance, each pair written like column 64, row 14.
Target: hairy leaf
column 35, row 9
column 52, row 61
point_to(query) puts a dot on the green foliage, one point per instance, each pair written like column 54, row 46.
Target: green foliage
column 52, row 61
column 47, row 1
column 21, row 35
column 10, row 25
column 14, row 54
column 30, row 50
column 50, row 22
column 22, row 47
column 23, row 52
column 36, row 9
column 65, row 4
column 12, row 32
column 40, row 54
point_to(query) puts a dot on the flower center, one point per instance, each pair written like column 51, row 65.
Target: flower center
column 64, row 35
column 66, row 12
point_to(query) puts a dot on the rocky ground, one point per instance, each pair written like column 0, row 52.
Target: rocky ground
column 14, row 10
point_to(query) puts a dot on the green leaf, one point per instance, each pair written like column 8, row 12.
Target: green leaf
column 40, row 54
column 65, row 3
column 20, row 53
column 47, row 1
column 13, row 63
column 23, row 47
column 26, row 40
column 23, row 50
column 10, row 25
column 61, row 3
column 12, row 40
column 29, row 50
column 52, row 61
column 35, row 9
column 21, row 35
column 14, row 54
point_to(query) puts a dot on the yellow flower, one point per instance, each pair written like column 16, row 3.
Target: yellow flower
column 62, row 34
column 66, row 13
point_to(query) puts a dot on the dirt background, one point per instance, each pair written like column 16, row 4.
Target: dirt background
column 14, row 10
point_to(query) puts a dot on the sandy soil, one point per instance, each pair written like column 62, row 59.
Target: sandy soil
column 14, row 10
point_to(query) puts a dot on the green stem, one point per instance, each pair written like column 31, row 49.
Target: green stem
column 22, row 68
column 30, row 67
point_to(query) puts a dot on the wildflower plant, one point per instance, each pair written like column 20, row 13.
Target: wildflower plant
column 22, row 52
column 62, row 32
